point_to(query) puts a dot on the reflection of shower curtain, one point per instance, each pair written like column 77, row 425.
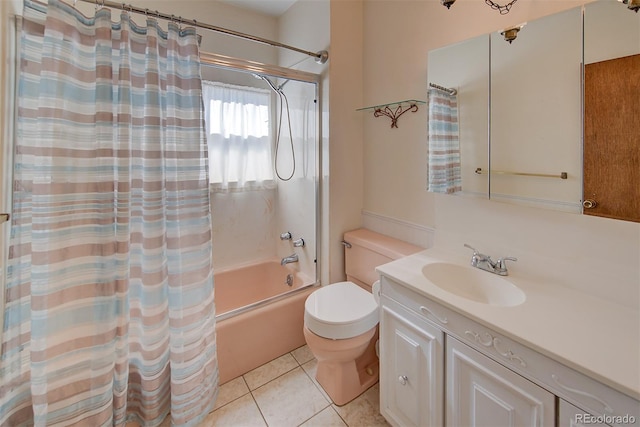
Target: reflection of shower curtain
column 109, row 310
column 444, row 143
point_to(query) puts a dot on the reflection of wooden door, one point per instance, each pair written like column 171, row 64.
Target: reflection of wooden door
column 612, row 138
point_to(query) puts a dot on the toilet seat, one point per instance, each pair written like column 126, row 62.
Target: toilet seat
column 341, row 310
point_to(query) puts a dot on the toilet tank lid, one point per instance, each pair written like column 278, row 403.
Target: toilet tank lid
column 384, row 245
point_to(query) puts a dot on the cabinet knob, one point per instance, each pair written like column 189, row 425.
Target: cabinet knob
column 589, row 204
column 403, row 379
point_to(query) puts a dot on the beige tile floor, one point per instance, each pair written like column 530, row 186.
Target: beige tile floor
column 284, row 393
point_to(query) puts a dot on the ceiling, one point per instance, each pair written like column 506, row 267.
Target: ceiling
column 268, row 7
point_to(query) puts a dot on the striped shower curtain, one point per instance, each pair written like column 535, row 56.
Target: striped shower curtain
column 109, row 313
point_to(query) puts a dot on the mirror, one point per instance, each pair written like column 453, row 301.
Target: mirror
column 535, row 109
column 536, row 113
column 464, row 67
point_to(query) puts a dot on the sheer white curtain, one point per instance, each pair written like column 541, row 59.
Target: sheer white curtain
column 239, row 136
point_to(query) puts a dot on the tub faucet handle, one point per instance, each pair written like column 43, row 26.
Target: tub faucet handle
column 285, row 236
column 299, row 243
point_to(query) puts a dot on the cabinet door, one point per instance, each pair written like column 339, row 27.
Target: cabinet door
column 411, row 372
column 572, row 416
column 482, row 392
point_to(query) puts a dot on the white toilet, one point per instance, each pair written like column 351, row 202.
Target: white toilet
column 341, row 319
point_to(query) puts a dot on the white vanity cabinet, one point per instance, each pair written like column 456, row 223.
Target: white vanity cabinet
column 440, row 368
column 572, row 416
column 482, row 392
column 413, row 350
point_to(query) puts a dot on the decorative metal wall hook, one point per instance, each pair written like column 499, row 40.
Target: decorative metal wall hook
column 394, row 115
column 394, row 110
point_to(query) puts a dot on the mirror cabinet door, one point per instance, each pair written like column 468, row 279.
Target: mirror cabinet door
column 553, row 132
column 536, row 113
column 465, row 68
column 611, row 111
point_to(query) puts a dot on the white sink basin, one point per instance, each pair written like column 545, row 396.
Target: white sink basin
column 474, row 284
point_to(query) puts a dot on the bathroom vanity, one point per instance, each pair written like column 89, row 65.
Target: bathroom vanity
column 462, row 347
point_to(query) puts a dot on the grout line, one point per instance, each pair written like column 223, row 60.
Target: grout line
column 330, row 403
column 274, row 378
column 315, row 383
column 259, row 409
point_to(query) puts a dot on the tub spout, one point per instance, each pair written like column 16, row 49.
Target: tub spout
column 289, row 259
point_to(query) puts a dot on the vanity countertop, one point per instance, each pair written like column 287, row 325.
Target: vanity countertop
column 596, row 337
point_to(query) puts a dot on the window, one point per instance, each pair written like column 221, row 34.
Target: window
column 239, row 136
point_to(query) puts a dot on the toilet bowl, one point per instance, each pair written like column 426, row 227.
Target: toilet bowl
column 341, row 319
column 341, row 331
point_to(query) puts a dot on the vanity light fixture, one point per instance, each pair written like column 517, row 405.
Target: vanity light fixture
column 510, row 34
column 503, row 9
column 631, row 4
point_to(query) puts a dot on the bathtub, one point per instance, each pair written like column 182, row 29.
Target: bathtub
column 259, row 316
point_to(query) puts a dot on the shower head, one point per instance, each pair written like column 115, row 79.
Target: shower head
column 283, row 83
column 271, row 84
column 277, row 89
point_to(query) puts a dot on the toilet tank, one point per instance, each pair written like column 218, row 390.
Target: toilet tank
column 369, row 250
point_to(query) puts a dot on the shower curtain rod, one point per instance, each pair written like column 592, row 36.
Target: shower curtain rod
column 450, row 91
column 320, row 57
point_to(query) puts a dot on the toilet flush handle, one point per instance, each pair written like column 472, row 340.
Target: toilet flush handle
column 403, row 379
column 346, row 244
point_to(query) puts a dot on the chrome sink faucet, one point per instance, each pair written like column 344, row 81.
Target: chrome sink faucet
column 484, row 262
column 289, row 259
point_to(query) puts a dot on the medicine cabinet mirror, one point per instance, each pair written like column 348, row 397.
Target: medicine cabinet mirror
column 523, row 115
column 465, row 68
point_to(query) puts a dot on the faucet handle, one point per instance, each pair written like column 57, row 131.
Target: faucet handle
column 477, row 256
column 502, row 265
column 475, row 251
column 285, row 236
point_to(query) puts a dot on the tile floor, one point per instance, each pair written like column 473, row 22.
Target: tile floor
column 284, row 393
